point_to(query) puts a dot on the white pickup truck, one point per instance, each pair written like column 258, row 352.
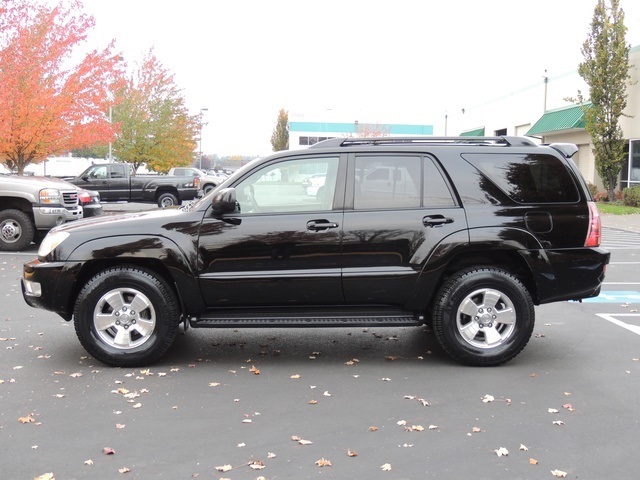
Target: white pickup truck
column 207, row 182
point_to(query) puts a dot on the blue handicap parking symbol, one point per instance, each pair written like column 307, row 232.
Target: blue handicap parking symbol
column 615, row 297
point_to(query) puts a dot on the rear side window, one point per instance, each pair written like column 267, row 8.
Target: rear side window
column 528, row 178
column 387, row 182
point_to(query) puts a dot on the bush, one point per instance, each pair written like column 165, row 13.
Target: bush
column 631, row 196
column 601, row 197
column 592, row 188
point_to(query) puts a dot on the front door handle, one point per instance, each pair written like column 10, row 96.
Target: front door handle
column 436, row 220
column 318, row 225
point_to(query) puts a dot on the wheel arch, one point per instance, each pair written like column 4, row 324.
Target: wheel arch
column 157, row 254
column 504, row 248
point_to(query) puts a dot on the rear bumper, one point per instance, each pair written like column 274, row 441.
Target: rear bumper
column 568, row 274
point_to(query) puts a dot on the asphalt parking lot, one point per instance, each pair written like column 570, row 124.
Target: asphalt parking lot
column 329, row 403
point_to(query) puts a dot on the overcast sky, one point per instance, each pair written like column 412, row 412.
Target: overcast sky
column 400, row 61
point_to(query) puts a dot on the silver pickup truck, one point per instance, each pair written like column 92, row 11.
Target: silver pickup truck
column 31, row 206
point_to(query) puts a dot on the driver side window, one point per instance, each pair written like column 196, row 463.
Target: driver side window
column 298, row 185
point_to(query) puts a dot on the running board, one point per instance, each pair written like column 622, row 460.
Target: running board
column 301, row 319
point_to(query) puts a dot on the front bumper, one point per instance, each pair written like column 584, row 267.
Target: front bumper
column 47, row 217
column 49, row 285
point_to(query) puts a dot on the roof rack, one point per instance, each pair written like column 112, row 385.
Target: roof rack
column 490, row 141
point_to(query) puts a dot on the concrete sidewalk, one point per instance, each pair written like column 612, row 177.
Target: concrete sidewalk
column 622, row 222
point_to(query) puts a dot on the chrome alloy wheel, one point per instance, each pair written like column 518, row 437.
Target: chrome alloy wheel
column 486, row 318
column 124, row 318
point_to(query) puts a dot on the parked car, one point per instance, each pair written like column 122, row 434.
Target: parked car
column 90, row 202
column 30, row 206
column 464, row 234
column 116, row 182
column 208, row 181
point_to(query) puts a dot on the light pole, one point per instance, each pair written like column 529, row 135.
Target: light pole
column 202, row 110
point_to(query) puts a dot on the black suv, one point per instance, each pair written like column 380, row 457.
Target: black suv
column 465, row 234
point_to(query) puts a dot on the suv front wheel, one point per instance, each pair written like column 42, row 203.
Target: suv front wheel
column 126, row 316
column 483, row 316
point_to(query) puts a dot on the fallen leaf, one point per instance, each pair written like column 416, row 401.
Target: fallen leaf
column 488, row 399
column 302, row 441
column 386, row 467
column 391, row 357
column 224, row 468
column 558, row 473
column 254, row 370
column 476, row 430
column 569, row 407
column 120, row 426
column 28, row 419
column 558, row 422
column 433, row 427
column 323, row 462
column 124, row 470
column 552, row 410
column 373, row 429
column 326, row 393
column 256, row 465
column 271, row 455
column 351, row 453
column 240, row 445
column 137, row 405
column 533, row 461
column 502, row 452
column 108, row 451
column 523, row 448
column 45, row 476
column 88, row 462
column 296, row 376
column 417, row 428
column 312, row 402
column 75, row 375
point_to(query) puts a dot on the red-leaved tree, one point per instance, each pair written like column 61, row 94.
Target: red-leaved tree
column 49, row 103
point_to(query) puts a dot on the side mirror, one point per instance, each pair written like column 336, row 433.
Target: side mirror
column 224, row 201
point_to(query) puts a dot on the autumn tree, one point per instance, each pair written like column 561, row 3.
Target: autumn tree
column 280, row 135
column 155, row 126
column 606, row 71
column 372, row 130
column 49, row 104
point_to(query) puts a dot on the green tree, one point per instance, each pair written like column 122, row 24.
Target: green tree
column 155, row 126
column 606, row 71
column 280, row 135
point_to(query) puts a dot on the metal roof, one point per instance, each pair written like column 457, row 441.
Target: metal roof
column 560, row 119
column 476, row 132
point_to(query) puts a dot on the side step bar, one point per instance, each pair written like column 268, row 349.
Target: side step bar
column 290, row 319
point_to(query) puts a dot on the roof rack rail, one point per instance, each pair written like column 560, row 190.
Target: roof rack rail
column 490, row 141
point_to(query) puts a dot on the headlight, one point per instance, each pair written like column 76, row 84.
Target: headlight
column 50, row 242
column 50, row 195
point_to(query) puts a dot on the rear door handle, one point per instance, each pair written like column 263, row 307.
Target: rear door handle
column 318, row 225
column 436, row 220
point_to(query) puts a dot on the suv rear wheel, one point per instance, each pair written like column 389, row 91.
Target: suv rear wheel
column 126, row 316
column 483, row 316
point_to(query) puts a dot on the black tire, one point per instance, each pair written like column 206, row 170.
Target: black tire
column 208, row 188
column 17, row 230
column 167, row 200
column 126, row 316
column 483, row 316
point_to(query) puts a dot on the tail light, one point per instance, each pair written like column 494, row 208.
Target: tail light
column 595, row 227
column 196, row 182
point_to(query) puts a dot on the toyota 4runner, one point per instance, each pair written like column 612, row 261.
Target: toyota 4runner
column 465, row 234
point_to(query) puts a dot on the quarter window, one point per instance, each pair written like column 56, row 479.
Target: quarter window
column 527, row 178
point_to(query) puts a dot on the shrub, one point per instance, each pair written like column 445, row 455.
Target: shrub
column 592, row 188
column 631, row 196
column 601, row 197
